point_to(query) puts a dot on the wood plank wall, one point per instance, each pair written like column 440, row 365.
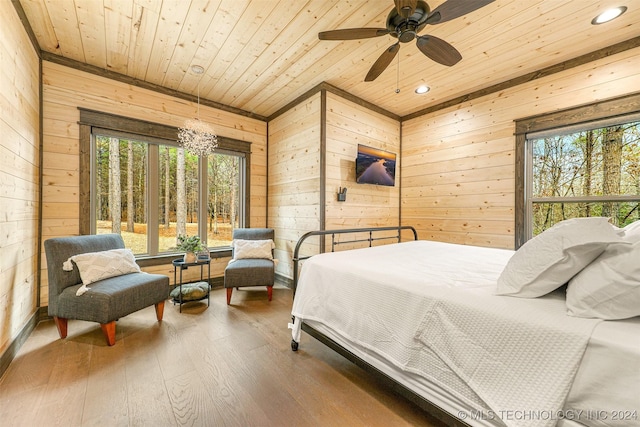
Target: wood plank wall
column 294, row 179
column 349, row 124
column 457, row 180
column 65, row 89
column 458, row 163
column 19, row 176
column 296, row 176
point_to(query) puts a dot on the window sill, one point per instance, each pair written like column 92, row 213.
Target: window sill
column 148, row 261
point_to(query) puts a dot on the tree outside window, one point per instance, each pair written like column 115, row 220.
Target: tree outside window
column 593, row 172
column 123, row 198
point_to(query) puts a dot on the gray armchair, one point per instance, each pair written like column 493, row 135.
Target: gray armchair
column 108, row 299
column 252, row 271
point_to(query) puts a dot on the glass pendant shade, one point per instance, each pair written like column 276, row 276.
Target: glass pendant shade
column 197, row 138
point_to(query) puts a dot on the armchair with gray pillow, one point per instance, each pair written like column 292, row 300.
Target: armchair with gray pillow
column 94, row 278
column 252, row 263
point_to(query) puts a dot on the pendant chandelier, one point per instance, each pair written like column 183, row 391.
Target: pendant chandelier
column 196, row 136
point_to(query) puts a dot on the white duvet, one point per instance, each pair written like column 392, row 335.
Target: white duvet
column 428, row 308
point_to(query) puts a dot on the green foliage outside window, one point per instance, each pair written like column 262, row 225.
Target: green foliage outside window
column 590, row 173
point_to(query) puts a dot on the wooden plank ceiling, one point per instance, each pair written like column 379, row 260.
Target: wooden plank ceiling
column 259, row 55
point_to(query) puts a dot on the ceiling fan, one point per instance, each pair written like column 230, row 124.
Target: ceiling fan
column 404, row 22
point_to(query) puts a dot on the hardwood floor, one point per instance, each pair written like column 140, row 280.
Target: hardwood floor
column 216, row 366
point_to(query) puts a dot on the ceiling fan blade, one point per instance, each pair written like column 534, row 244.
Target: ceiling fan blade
column 352, row 33
column 382, row 63
column 406, row 8
column 438, row 50
column 452, row 9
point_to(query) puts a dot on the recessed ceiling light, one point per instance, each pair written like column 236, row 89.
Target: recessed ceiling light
column 197, row 69
column 609, row 15
column 422, row 89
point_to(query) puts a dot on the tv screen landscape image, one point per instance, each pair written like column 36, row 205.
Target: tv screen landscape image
column 375, row 166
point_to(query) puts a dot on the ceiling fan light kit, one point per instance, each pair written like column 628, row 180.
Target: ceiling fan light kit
column 404, row 22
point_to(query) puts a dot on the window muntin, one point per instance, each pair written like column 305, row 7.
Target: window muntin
column 170, row 181
column 591, row 172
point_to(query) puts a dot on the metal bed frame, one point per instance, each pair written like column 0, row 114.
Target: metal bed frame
column 429, row 407
column 333, row 233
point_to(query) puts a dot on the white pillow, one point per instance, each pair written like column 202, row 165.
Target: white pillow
column 94, row 266
column 609, row 287
column 631, row 232
column 252, row 249
column 550, row 259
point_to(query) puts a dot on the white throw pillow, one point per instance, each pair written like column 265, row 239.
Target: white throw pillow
column 253, row 249
column 553, row 257
column 609, row 287
column 94, row 266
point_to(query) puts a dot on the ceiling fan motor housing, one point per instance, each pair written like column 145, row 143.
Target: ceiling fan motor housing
column 404, row 22
column 406, row 29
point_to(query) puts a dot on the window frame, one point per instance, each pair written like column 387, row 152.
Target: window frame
column 92, row 122
column 575, row 116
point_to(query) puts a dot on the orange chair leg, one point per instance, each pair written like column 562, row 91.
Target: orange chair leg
column 269, row 292
column 109, row 330
column 159, row 310
column 61, row 324
column 229, row 291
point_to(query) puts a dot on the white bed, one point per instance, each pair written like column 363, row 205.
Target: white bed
column 426, row 314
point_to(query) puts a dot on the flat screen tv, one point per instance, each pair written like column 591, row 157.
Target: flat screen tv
column 375, row 166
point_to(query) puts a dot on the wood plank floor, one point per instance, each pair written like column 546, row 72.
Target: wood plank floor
column 215, row 366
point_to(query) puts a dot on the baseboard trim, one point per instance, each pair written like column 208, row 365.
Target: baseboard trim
column 11, row 351
column 283, row 280
column 43, row 314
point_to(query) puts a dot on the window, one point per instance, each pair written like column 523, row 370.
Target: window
column 150, row 190
column 120, row 190
column 578, row 163
column 593, row 172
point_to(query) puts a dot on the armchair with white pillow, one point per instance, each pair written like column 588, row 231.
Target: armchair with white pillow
column 252, row 262
column 94, row 278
